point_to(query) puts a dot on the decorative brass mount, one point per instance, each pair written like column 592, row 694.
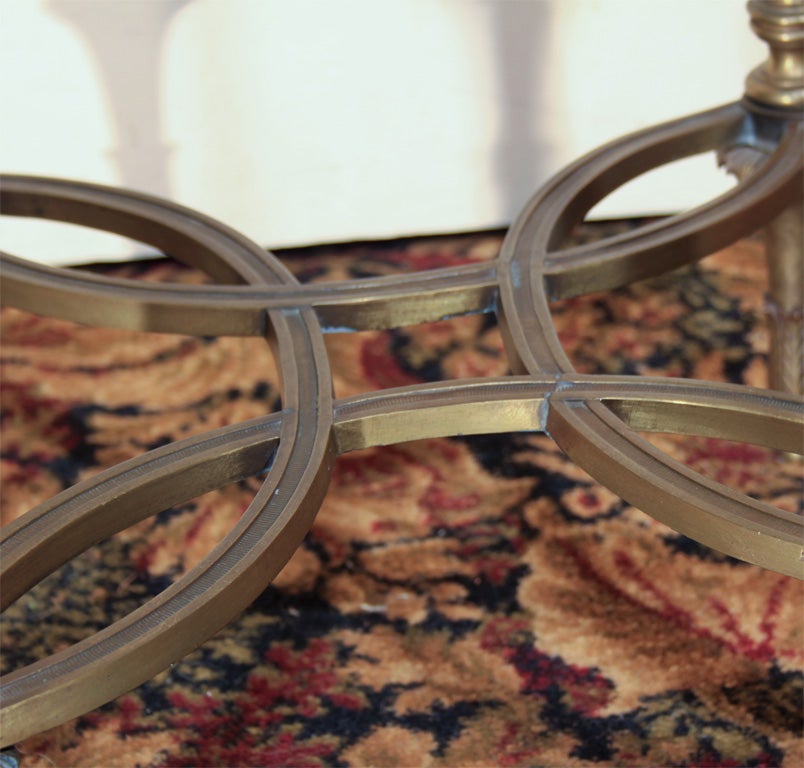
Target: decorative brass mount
column 592, row 418
column 779, row 82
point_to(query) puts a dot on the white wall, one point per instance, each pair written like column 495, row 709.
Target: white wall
column 300, row 121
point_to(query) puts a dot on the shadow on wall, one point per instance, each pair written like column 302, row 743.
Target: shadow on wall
column 521, row 53
column 126, row 40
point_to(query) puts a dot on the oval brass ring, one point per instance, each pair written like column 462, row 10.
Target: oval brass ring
column 210, row 595
column 533, row 264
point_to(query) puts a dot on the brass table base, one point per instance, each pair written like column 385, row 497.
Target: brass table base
column 594, row 419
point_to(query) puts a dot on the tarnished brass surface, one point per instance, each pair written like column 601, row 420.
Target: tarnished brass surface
column 776, row 89
column 594, row 419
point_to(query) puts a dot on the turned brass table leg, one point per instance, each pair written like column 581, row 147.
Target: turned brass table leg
column 785, row 254
column 775, row 90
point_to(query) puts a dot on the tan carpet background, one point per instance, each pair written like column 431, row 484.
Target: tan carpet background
column 459, row 602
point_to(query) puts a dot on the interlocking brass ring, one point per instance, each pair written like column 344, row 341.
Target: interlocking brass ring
column 592, row 418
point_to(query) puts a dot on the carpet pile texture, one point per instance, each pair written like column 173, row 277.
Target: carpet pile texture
column 474, row 601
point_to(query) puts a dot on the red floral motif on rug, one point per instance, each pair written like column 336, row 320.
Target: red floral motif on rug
column 475, row 601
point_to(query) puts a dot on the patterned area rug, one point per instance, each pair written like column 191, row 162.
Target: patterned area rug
column 459, row 602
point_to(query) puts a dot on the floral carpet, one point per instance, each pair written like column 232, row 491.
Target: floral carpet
column 473, row 601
